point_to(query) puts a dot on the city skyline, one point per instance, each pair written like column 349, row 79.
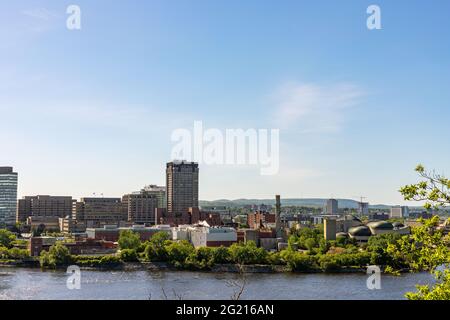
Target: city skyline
column 92, row 111
column 155, row 187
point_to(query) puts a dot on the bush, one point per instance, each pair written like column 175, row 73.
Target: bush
column 129, row 255
column 97, row 261
column 178, row 252
column 6, row 238
column 156, row 247
column 220, row 255
column 247, row 253
column 58, row 255
column 334, row 262
column 129, row 240
column 297, row 261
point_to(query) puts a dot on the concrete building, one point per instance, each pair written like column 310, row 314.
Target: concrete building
column 399, row 212
column 44, row 206
column 8, row 196
column 69, row 225
column 182, row 186
column 331, row 207
column 330, row 229
column 159, row 192
column 50, row 224
column 141, row 207
column 98, row 212
column 213, row 236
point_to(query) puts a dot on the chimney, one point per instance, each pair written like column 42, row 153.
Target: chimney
column 277, row 216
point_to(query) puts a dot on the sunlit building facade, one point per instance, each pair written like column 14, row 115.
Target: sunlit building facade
column 8, row 196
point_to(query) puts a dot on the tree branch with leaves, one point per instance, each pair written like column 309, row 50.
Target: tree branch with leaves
column 434, row 189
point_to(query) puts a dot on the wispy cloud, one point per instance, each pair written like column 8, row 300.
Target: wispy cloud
column 315, row 108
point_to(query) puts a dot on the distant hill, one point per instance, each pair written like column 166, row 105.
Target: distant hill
column 314, row 203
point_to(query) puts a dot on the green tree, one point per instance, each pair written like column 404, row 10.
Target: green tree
column 6, row 238
column 57, row 255
column 156, row 247
column 440, row 291
column 129, row 240
column 298, row 261
column 424, row 250
column 434, row 189
column 128, row 255
column 178, row 252
column 428, row 248
column 378, row 245
column 247, row 253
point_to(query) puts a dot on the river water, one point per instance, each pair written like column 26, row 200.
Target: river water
column 145, row 285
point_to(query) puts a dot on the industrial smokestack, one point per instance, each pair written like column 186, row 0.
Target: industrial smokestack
column 278, row 216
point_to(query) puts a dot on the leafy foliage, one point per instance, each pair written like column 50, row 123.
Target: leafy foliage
column 58, row 255
column 441, row 291
column 129, row 240
column 434, row 189
column 247, row 253
column 128, row 255
column 6, row 238
column 155, row 249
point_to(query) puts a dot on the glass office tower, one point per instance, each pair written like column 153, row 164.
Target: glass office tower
column 8, row 196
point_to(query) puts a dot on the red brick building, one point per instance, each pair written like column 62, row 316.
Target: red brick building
column 260, row 219
column 192, row 216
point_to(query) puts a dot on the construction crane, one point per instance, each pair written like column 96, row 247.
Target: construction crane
column 361, row 201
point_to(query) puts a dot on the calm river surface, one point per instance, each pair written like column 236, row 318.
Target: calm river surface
column 138, row 285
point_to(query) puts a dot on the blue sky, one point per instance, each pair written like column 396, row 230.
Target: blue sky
column 93, row 110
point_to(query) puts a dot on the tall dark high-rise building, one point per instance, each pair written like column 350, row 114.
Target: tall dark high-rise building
column 8, row 196
column 182, row 186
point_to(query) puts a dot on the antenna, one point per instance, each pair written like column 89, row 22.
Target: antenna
column 361, row 201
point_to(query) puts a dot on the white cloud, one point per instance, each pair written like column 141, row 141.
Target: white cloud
column 315, row 108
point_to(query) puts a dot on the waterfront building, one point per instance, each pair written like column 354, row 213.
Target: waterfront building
column 182, row 180
column 206, row 236
column 44, row 206
column 112, row 232
column 363, row 232
column 80, row 247
column 8, row 196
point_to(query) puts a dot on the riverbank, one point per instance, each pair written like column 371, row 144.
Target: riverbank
column 164, row 266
